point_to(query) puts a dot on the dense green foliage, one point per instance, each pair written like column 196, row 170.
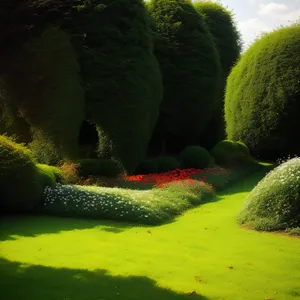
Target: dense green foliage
column 221, row 25
column 263, row 95
column 144, row 207
column 100, row 167
column 274, row 204
column 43, row 85
column 190, row 68
column 231, row 154
column 148, row 166
column 120, row 73
column 54, row 174
column 166, row 163
column 21, row 20
column 220, row 22
column 195, row 157
column 21, row 184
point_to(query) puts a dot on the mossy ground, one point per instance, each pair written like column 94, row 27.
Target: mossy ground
column 204, row 251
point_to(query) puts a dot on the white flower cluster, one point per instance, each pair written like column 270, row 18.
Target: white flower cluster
column 94, row 201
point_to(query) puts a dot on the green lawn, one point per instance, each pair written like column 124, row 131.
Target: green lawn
column 205, row 251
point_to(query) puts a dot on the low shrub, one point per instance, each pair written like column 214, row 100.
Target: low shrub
column 229, row 153
column 70, row 173
column 166, row 163
column 274, row 204
column 52, row 172
column 195, row 157
column 146, row 207
column 193, row 189
column 148, row 166
column 21, row 182
column 100, row 167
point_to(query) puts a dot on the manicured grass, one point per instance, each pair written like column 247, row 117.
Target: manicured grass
column 204, row 251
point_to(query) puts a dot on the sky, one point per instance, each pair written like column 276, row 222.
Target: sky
column 256, row 16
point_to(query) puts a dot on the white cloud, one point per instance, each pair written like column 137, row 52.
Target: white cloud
column 272, row 9
column 251, row 29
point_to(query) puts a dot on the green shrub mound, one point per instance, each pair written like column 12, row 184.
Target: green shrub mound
column 148, row 166
column 51, row 174
column 100, row 167
column 221, row 24
column 262, row 100
column 274, row 204
column 120, row 74
column 166, row 163
column 21, row 182
column 195, row 157
column 229, row 153
column 190, row 68
column 44, row 87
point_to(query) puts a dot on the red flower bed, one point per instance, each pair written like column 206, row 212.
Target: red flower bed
column 160, row 179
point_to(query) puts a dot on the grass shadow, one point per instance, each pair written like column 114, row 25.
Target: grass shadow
column 18, row 281
column 33, row 225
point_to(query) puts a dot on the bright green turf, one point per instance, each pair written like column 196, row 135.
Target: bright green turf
column 140, row 265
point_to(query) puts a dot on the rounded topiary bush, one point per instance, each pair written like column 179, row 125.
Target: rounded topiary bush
column 221, row 24
column 274, row 204
column 229, row 153
column 100, row 167
column 21, row 183
column 190, row 67
column 262, row 99
column 166, row 163
column 148, row 166
column 195, row 157
column 123, row 88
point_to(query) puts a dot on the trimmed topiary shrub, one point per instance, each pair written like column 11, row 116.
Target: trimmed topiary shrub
column 100, row 167
column 166, row 163
column 221, row 24
column 263, row 95
column 149, row 166
column 52, row 175
column 123, row 88
column 274, row 204
column 190, row 68
column 194, row 157
column 21, row 183
column 229, row 153
column 44, row 87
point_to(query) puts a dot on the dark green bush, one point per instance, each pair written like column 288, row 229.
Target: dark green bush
column 166, row 163
column 263, row 95
column 221, row 24
column 229, row 153
column 44, row 86
column 100, row 167
column 52, row 175
column 190, row 68
column 195, row 157
column 274, row 204
column 21, row 183
column 120, row 73
column 148, row 166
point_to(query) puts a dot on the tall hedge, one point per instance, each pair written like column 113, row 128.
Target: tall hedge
column 121, row 75
column 190, row 67
column 221, row 24
column 262, row 101
column 43, row 86
column 21, row 20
